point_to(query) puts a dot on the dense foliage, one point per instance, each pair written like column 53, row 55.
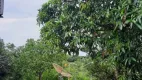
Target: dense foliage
column 36, row 58
column 4, row 61
column 33, row 61
column 109, row 31
column 104, row 28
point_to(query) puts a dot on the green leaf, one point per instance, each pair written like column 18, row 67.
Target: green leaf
column 139, row 26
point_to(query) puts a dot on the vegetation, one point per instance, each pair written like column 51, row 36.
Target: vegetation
column 109, row 31
column 105, row 28
column 4, row 61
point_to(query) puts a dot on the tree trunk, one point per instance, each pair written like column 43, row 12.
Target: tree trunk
column 116, row 74
column 40, row 76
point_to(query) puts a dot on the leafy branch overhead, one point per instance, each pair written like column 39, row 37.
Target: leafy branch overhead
column 85, row 23
column 97, row 27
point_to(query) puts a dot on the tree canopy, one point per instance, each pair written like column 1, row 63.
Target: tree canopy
column 35, row 58
column 104, row 27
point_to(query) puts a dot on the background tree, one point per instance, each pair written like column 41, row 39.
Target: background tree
column 4, row 61
column 35, row 59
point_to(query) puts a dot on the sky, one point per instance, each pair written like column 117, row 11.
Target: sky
column 19, row 22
